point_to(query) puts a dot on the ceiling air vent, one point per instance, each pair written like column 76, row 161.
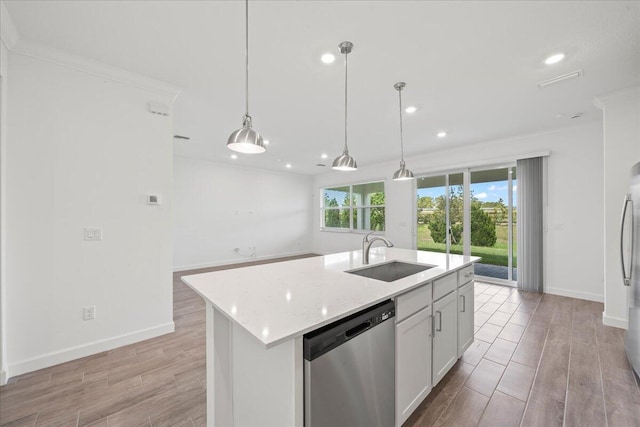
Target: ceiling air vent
column 158, row 108
column 559, row 79
column 321, row 165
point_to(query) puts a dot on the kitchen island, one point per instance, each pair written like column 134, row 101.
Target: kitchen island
column 256, row 317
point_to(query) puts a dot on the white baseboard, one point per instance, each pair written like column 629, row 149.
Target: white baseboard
column 616, row 322
column 72, row 353
column 3, row 377
column 575, row 294
column 237, row 261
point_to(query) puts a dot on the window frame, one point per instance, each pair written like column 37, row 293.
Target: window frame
column 351, row 208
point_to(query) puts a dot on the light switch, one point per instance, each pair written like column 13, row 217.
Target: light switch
column 153, row 199
column 92, row 233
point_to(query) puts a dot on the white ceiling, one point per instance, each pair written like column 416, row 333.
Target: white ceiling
column 472, row 68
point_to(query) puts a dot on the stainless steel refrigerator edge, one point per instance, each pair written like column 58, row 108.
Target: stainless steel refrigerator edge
column 630, row 254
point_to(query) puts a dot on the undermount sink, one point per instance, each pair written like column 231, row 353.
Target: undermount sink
column 390, row 271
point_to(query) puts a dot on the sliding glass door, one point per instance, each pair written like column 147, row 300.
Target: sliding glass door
column 492, row 226
column 471, row 212
column 440, row 213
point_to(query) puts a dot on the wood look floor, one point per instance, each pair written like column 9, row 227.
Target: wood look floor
column 537, row 360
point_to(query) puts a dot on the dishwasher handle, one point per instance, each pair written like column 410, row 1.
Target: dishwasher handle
column 358, row 329
column 322, row 340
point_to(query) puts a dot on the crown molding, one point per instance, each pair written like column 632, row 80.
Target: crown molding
column 632, row 93
column 100, row 69
column 16, row 44
column 8, row 31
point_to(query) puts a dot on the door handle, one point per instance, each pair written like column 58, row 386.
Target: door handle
column 627, row 201
column 439, row 328
column 464, row 305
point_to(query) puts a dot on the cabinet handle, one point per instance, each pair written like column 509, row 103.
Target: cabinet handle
column 439, row 328
column 464, row 305
column 431, row 331
column 468, row 274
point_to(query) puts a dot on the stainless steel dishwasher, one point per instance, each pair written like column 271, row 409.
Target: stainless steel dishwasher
column 349, row 371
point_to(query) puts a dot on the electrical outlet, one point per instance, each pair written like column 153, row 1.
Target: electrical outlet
column 89, row 312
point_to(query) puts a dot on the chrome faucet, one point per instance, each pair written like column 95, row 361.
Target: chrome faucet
column 366, row 246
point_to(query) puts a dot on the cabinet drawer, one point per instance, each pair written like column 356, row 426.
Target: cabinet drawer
column 465, row 275
column 412, row 302
column 444, row 285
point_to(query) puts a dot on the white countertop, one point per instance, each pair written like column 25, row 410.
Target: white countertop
column 279, row 301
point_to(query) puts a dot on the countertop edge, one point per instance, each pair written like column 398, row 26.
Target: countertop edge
column 282, row 339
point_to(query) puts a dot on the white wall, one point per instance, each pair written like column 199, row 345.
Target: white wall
column 574, row 240
column 218, row 208
column 621, row 151
column 83, row 151
column 4, row 53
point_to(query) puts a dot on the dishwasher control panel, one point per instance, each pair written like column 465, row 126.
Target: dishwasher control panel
column 325, row 339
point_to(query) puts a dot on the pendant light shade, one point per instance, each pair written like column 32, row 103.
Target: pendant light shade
column 402, row 174
column 345, row 162
column 245, row 139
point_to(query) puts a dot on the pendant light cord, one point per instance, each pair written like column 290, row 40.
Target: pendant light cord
column 246, row 39
column 401, row 142
column 346, row 148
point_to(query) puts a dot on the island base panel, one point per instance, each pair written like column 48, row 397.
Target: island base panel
column 251, row 385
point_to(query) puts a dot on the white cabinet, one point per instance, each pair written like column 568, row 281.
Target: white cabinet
column 465, row 317
column 445, row 331
column 465, row 275
column 413, row 363
column 434, row 326
column 444, row 285
column 412, row 302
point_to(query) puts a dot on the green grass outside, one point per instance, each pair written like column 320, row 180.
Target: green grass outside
column 495, row 255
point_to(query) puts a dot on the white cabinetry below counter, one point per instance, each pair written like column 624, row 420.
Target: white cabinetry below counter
column 413, row 351
column 445, row 335
column 434, row 326
column 466, row 308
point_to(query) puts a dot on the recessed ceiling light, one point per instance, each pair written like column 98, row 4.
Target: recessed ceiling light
column 233, row 156
column 328, row 58
column 324, row 155
column 411, row 109
column 266, row 142
column 553, row 59
column 288, row 165
column 442, row 134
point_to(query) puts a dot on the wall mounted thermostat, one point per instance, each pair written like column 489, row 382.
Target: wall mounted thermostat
column 153, row 199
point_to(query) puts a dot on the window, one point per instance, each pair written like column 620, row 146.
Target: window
column 354, row 207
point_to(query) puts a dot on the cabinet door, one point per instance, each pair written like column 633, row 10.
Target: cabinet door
column 413, row 363
column 445, row 331
column 465, row 318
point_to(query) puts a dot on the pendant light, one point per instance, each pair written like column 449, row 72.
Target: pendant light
column 245, row 139
column 345, row 162
column 403, row 173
